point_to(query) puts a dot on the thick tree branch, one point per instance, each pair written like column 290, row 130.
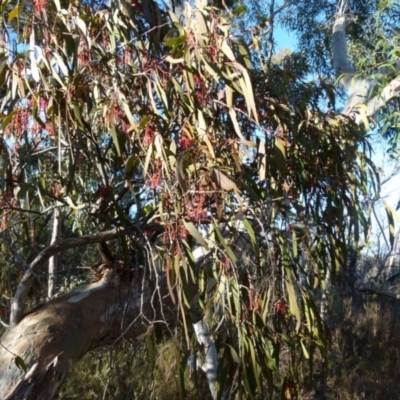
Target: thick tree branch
column 370, row 290
column 361, row 91
column 17, row 306
column 53, row 337
column 389, row 92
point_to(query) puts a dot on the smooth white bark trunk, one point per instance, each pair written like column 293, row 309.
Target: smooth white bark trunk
column 210, row 362
column 366, row 96
column 53, row 262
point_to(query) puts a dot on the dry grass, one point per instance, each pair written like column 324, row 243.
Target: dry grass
column 125, row 373
column 363, row 362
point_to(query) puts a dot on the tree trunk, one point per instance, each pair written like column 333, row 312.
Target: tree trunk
column 40, row 347
column 53, row 262
column 37, row 353
column 210, row 363
column 364, row 100
column 19, row 301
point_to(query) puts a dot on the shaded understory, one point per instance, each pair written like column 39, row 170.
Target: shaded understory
column 362, row 363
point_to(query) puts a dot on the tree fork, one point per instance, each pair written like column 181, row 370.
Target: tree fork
column 18, row 303
column 37, row 353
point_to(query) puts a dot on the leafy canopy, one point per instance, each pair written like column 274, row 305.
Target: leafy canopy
column 127, row 116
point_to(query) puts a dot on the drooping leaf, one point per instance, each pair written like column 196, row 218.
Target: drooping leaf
column 293, row 306
column 280, row 153
column 392, row 215
column 222, row 181
column 195, row 233
column 226, row 247
column 19, row 362
column 14, row 13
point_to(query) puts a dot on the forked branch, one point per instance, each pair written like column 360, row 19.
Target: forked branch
column 18, row 303
column 366, row 96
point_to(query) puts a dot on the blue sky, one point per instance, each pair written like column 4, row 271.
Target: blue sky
column 391, row 190
column 284, row 39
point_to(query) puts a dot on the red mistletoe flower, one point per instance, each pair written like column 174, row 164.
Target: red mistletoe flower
column 102, row 192
column 280, row 307
column 197, row 80
column 43, row 104
column 148, row 135
column 185, row 142
column 154, row 182
column 40, row 6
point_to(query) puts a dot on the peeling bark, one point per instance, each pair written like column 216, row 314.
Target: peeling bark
column 53, row 337
column 50, row 339
column 18, row 303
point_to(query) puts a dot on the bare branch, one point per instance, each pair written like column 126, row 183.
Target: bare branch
column 370, row 290
column 53, row 261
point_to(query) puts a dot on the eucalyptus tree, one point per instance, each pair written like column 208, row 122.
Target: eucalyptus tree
column 225, row 190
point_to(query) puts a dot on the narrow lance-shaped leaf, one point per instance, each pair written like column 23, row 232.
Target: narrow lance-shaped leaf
column 15, row 13
column 19, row 362
column 280, row 153
column 232, row 114
column 293, row 306
column 114, row 136
column 180, row 174
column 247, row 88
column 221, row 240
column 392, row 215
column 227, row 50
column 223, row 181
column 202, row 131
column 195, row 233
